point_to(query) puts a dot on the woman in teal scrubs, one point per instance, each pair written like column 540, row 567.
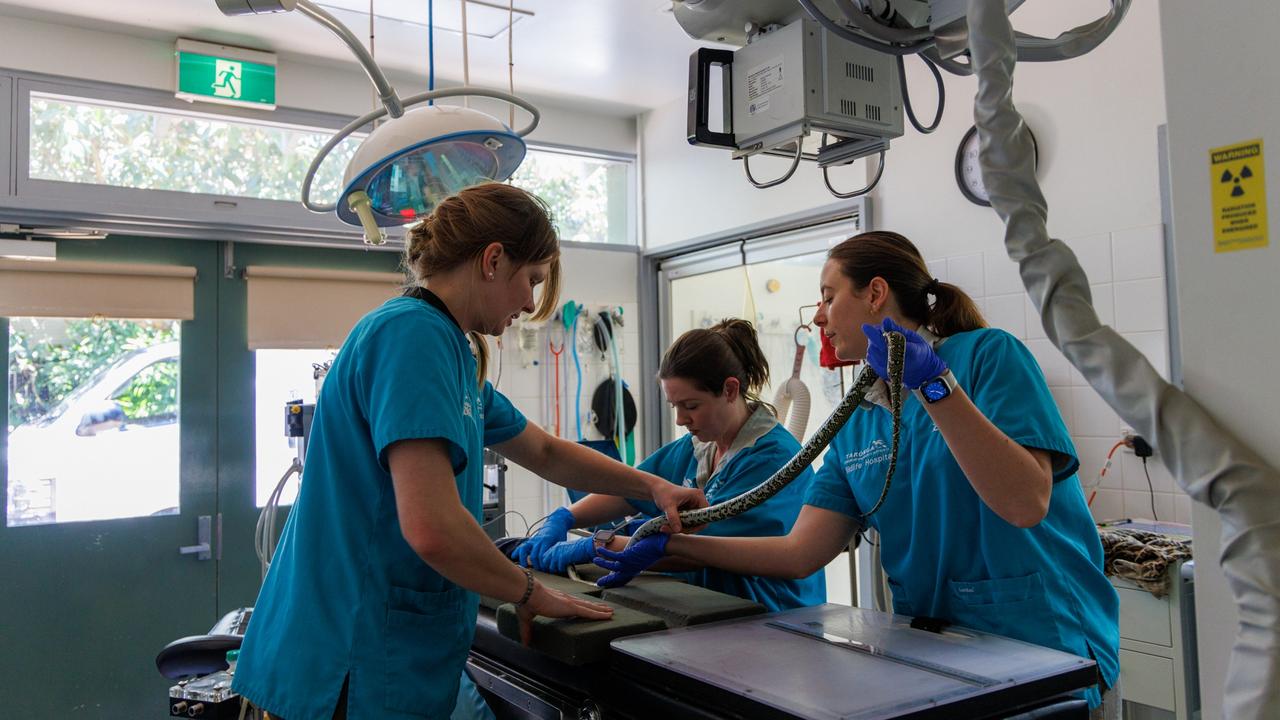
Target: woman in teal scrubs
column 369, row 607
column 712, row 378
column 985, row 524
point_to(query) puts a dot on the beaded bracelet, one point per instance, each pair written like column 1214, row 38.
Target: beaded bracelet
column 528, row 589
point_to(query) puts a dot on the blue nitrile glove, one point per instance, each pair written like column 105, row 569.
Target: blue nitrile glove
column 632, row 561
column 633, row 525
column 557, row 558
column 554, row 530
column 920, row 363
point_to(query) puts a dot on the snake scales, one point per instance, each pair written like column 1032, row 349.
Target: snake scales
column 821, row 438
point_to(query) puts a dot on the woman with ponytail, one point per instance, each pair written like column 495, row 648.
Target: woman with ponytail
column 369, row 606
column 712, row 378
column 985, row 524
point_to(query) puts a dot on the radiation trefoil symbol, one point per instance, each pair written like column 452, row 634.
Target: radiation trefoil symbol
column 1227, row 177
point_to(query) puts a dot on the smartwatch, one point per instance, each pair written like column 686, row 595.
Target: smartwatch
column 938, row 388
column 602, row 538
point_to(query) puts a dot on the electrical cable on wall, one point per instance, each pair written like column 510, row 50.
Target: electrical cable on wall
column 1103, row 473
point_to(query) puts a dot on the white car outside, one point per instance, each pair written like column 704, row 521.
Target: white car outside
column 86, row 460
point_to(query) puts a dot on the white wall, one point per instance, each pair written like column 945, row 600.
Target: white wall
column 597, row 278
column 148, row 62
column 1125, row 268
column 1221, row 85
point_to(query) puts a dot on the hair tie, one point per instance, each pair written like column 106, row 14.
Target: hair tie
column 932, row 287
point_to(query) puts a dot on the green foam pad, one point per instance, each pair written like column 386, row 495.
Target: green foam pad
column 681, row 604
column 575, row 641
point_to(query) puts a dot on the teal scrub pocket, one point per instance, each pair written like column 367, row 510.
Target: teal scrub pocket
column 426, row 649
column 1014, row 607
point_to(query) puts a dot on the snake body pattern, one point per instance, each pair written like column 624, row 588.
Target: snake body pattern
column 822, row 437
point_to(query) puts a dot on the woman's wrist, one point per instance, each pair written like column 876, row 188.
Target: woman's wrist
column 676, row 543
column 528, row 589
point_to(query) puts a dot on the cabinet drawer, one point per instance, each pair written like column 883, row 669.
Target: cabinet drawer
column 1144, row 617
column 1147, row 679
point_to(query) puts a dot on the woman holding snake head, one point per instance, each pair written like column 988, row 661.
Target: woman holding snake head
column 712, row 377
column 986, row 526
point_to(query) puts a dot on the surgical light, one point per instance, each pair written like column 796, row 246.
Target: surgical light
column 406, row 166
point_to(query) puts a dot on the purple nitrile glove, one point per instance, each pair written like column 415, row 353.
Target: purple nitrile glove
column 557, row 558
column 552, row 531
column 920, row 364
column 632, row 561
column 633, row 525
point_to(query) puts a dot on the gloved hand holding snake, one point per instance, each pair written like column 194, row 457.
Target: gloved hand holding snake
column 896, row 348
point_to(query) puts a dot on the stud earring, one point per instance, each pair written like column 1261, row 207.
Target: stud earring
column 490, row 276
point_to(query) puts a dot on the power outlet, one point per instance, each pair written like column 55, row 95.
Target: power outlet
column 1126, row 435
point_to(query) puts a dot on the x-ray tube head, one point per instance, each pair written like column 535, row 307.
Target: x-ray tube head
column 408, row 165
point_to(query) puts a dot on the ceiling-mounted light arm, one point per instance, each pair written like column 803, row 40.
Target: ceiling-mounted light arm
column 408, row 102
column 386, row 93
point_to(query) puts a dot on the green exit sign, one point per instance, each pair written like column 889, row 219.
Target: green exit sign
column 226, row 75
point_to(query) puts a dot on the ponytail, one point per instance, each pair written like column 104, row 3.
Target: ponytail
column 894, row 258
column 707, row 357
column 952, row 311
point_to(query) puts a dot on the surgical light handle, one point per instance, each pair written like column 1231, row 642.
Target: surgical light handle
column 408, row 102
column 360, row 204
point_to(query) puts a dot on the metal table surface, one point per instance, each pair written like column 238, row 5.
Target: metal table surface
column 833, row 661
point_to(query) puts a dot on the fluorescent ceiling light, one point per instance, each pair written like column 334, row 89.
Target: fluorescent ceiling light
column 484, row 19
column 28, row 249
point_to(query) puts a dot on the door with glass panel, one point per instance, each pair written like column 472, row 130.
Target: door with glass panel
column 774, row 283
column 110, row 533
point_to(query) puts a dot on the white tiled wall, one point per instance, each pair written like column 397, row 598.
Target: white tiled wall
column 1126, row 275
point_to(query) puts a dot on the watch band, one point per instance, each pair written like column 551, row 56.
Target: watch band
column 602, row 537
column 947, row 378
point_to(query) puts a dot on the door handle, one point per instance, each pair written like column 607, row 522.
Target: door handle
column 204, row 535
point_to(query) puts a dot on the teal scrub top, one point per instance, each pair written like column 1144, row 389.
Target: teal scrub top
column 744, row 470
column 346, row 596
column 947, row 554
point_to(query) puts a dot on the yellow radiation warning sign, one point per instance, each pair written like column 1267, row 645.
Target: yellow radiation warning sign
column 1239, row 197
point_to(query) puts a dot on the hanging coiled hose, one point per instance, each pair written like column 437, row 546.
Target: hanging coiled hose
column 1214, row 467
column 791, row 399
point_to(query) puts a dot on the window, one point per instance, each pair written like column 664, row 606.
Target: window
column 589, row 196
column 282, row 375
column 99, row 142
column 93, row 419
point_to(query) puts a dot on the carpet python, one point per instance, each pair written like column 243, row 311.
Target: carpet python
column 822, row 437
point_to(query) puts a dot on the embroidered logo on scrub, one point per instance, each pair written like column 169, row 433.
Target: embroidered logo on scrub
column 466, row 407
column 875, row 453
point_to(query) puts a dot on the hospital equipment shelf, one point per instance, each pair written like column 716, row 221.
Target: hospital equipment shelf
column 1158, row 664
